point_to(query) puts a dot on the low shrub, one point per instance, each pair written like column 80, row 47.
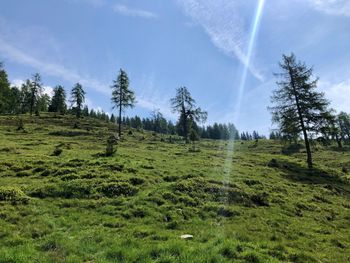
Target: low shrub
column 228, row 252
column 68, row 133
column 117, row 189
column 70, row 189
column 23, row 174
column 273, row 163
column 57, row 152
column 223, row 211
column 260, row 199
column 136, row 181
column 13, row 195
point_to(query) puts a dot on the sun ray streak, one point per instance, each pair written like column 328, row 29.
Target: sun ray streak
column 251, row 44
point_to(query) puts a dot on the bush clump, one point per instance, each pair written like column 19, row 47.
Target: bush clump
column 260, row 199
column 69, row 133
column 23, row 174
column 57, row 152
column 117, row 189
column 70, row 189
column 223, row 211
column 273, row 163
column 13, row 195
column 136, row 181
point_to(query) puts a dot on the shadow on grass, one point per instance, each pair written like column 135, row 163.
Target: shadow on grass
column 292, row 148
column 298, row 173
column 344, row 149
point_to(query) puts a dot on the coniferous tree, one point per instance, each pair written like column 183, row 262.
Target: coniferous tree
column 58, row 101
column 159, row 122
column 77, row 99
column 330, row 129
column 122, row 96
column 15, row 100
column 112, row 119
column 43, row 103
column 86, row 111
column 36, row 89
column 25, row 96
column 5, row 91
column 193, row 138
column 297, row 104
column 343, row 120
column 189, row 113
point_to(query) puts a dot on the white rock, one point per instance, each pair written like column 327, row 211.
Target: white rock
column 186, row 236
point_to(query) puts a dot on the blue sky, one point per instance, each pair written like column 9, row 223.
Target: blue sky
column 200, row 44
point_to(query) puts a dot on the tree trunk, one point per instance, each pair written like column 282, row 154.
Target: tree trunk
column 306, row 139
column 308, row 149
column 338, row 141
column 31, row 104
column 120, row 121
column 186, row 130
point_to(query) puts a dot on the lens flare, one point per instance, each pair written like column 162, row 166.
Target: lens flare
column 250, row 48
column 251, row 44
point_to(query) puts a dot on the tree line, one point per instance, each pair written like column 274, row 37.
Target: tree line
column 30, row 98
column 297, row 107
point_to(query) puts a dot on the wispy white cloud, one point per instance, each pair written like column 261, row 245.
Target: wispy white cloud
column 94, row 3
column 338, row 94
column 222, row 21
column 126, row 11
column 332, row 7
column 151, row 98
column 147, row 100
column 19, row 82
column 19, row 56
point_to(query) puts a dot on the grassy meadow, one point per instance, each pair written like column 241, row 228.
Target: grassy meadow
column 62, row 200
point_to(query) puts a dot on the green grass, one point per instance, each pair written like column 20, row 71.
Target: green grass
column 62, row 201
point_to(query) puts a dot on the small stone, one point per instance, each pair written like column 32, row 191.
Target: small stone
column 186, row 237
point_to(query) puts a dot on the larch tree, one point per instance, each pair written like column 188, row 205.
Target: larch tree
column 343, row 120
column 330, row 127
column 185, row 105
column 58, row 101
column 193, row 138
column 78, row 98
column 297, row 105
column 36, row 89
column 5, row 91
column 122, row 96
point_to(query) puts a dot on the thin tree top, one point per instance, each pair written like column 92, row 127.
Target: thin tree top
column 122, row 95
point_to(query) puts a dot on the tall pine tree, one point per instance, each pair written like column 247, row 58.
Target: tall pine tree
column 78, row 99
column 58, row 101
column 122, row 96
column 36, row 90
column 5, row 91
column 297, row 104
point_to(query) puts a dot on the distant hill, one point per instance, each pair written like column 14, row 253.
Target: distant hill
column 62, row 200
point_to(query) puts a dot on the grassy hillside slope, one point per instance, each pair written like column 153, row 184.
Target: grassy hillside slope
column 79, row 206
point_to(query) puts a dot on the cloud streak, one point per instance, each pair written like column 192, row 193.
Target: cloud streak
column 338, row 93
column 94, row 3
column 126, row 11
column 332, row 7
column 51, row 69
column 149, row 101
column 222, row 22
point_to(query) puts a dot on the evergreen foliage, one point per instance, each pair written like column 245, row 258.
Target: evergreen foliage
column 298, row 107
column 122, row 96
column 35, row 91
column 77, row 99
column 185, row 106
column 58, row 101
